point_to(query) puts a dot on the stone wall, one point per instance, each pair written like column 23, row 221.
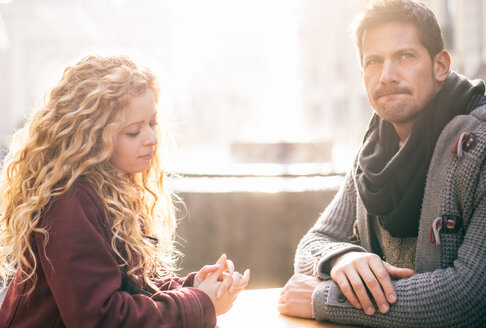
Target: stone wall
column 256, row 230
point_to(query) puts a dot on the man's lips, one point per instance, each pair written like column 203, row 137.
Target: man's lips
column 382, row 92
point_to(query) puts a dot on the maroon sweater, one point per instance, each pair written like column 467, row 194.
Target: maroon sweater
column 79, row 279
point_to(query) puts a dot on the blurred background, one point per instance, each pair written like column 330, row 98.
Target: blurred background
column 265, row 97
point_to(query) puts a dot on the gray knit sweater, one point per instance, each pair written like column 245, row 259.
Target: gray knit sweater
column 449, row 287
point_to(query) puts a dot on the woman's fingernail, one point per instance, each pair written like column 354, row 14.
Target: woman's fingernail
column 392, row 298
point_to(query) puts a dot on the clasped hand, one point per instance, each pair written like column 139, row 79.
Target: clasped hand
column 221, row 283
column 356, row 273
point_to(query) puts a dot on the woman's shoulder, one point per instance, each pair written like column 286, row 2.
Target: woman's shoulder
column 79, row 197
column 80, row 190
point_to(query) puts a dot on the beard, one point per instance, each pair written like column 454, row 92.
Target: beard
column 399, row 112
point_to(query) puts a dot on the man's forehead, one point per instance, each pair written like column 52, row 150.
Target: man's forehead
column 388, row 35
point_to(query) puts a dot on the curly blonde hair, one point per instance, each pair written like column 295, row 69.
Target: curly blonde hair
column 71, row 136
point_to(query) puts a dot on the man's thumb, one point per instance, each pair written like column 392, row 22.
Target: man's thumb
column 398, row 273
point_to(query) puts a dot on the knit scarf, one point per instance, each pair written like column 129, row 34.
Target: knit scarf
column 391, row 181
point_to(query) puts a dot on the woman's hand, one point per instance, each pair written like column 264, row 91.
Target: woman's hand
column 237, row 282
column 221, row 283
column 222, row 263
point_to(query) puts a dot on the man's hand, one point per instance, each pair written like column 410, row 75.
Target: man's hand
column 296, row 296
column 353, row 270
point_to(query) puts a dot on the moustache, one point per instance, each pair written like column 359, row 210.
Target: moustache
column 390, row 90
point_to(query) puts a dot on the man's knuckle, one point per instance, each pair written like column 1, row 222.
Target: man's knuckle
column 359, row 288
column 334, row 274
column 381, row 275
column 345, row 288
column 371, row 283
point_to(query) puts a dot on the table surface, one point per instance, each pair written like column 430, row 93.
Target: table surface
column 258, row 308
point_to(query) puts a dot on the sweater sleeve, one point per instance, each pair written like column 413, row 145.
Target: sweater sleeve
column 454, row 296
column 328, row 237
column 84, row 278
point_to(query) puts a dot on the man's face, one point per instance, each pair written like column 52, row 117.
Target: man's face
column 397, row 71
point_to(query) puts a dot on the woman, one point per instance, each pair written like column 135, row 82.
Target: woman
column 86, row 219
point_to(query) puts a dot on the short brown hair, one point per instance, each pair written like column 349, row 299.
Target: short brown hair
column 379, row 12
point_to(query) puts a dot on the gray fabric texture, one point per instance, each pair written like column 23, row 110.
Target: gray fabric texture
column 399, row 252
column 449, row 286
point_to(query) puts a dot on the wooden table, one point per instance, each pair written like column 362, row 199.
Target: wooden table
column 258, row 308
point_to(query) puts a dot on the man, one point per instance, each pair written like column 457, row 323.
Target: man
column 403, row 243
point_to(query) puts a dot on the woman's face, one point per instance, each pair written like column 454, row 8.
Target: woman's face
column 136, row 141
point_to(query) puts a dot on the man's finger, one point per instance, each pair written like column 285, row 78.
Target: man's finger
column 282, row 308
column 346, row 289
column 360, row 291
column 398, row 273
column 375, row 288
column 382, row 274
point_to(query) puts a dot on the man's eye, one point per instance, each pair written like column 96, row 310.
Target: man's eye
column 407, row 56
column 153, row 124
column 372, row 62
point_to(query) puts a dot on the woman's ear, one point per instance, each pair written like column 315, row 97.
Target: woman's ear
column 442, row 65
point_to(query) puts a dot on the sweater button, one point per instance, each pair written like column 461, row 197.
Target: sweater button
column 340, row 297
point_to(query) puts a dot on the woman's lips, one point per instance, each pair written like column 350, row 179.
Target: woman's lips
column 147, row 156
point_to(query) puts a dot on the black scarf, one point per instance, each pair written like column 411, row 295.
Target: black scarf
column 391, row 183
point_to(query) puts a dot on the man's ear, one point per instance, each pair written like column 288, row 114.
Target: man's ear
column 442, row 65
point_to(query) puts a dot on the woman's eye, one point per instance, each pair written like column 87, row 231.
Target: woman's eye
column 132, row 134
column 153, row 124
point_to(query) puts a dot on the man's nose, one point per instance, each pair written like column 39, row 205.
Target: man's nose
column 389, row 72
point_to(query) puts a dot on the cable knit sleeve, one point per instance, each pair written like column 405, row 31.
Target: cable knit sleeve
column 328, row 237
column 84, row 278
column 452, row 296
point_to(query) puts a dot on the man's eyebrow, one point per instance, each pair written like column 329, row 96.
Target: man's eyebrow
column 371, row 54
column 406, row 49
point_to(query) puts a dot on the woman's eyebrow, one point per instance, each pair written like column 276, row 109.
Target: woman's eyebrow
column 132, row 124
column 140, row 121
